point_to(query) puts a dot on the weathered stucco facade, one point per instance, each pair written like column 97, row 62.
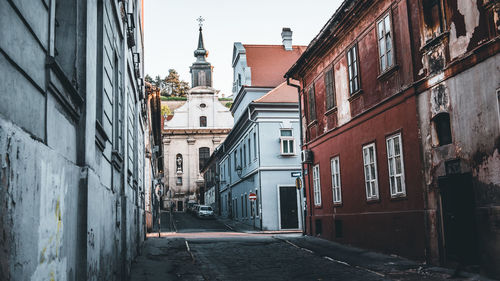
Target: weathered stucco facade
column 71, row 139
column 459, row 123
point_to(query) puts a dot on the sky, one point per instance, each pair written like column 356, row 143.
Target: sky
column 171, row 31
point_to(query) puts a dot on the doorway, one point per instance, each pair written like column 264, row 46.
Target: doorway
column 288, row 207
column 458, row 213
column 179, row 206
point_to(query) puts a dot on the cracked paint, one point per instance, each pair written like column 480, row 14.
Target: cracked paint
column 459, row 44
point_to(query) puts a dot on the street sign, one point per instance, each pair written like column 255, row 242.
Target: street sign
column 298, row 183
column 296, row 174
column 252, row 196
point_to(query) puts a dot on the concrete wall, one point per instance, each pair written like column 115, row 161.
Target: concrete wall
column 71, row 209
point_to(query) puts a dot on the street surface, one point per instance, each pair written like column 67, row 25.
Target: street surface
column 196, row 249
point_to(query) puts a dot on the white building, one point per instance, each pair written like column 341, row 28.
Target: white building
column 191, row 134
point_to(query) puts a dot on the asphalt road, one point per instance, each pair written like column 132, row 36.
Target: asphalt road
column 207, row 250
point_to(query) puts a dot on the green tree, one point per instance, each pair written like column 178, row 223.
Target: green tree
column 172, row 85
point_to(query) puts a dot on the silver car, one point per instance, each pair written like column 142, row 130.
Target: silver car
column 205, row 212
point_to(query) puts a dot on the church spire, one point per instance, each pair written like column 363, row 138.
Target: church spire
column 200, row 53
column 201, row 70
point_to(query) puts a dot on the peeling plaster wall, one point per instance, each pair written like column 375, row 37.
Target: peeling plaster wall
column 38, row 197
column 459, row 40
column 473, row 108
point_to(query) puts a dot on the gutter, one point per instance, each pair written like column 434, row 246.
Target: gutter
column 301, row 145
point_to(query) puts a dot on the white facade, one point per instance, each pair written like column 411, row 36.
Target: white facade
column 184, row 135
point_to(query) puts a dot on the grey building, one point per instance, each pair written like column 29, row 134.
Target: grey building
column 71, row 139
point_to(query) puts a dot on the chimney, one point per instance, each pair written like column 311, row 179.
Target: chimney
column 286, row 35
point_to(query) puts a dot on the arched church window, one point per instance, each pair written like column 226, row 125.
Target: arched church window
column 202, row 78
column 203, row 121
column 203, row 154
column 178, row 162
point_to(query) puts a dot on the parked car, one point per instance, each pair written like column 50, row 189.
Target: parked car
column 205, row 212
column 191, row 208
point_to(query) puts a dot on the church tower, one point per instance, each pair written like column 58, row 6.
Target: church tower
column 201, row 70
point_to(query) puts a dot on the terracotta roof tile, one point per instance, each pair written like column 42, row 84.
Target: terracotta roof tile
column 269, row 63
column 281, row 94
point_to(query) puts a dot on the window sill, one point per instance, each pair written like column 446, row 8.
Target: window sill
column 355, row 95
column 388, row 72
column 100, row 136
column 399, row 197
column 288, row 154
column 117, row 160
column 434, row 41
column 373, row 200
column 331, row 111
column 338, row 204
column 312, row 123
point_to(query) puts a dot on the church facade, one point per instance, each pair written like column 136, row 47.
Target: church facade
column 191, row 134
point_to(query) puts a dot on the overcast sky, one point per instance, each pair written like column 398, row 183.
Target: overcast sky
column 171, row 31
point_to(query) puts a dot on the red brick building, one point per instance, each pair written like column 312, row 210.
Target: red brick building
column 364, row 179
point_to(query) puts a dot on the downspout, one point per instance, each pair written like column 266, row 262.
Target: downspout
column 301, row 141
column 260, row 176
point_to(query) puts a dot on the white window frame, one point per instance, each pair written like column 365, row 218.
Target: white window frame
column 316, row 185
column 288, row 141
column 336, row 183
column 370, row 171
column 392, row 158
column 382, row 35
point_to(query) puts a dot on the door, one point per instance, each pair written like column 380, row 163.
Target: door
column 288, row 207
column 179, row 206
column 459, row 226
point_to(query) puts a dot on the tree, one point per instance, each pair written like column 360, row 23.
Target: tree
column 171, row 85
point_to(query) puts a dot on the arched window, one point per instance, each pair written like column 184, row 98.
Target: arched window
column 203, row 121
column 203, row 154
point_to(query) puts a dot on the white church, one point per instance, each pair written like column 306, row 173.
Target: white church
column 191, row 133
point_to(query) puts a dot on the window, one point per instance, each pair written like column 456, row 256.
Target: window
column 203, row 121
column 202, row 80
column 179, row 181
column 312, row 104
column 255, row 145
column 118, row 108
column 202, row 105
column 385, row 43
column 235, row 159
column 433, row 18
column 239, row 79
column 246, row 205
column 370, row 165
column 316, row 186
column 249, row 150
column 244, row 154
column 330, row 90
column 335, row 169
column 203, row 155
column 396, row 167
column 242, row 206
column 352, row 64
column 287, row 142
column 442, row 128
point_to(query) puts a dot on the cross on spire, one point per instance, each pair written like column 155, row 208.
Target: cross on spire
column 200, row 21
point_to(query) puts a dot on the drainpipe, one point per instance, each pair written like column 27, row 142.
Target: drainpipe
column 301, row 144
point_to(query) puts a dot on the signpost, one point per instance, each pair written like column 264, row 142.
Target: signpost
column 252, row 197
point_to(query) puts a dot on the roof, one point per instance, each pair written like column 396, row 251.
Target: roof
column 268, row 63
column 281, row 94
column 326, row 33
